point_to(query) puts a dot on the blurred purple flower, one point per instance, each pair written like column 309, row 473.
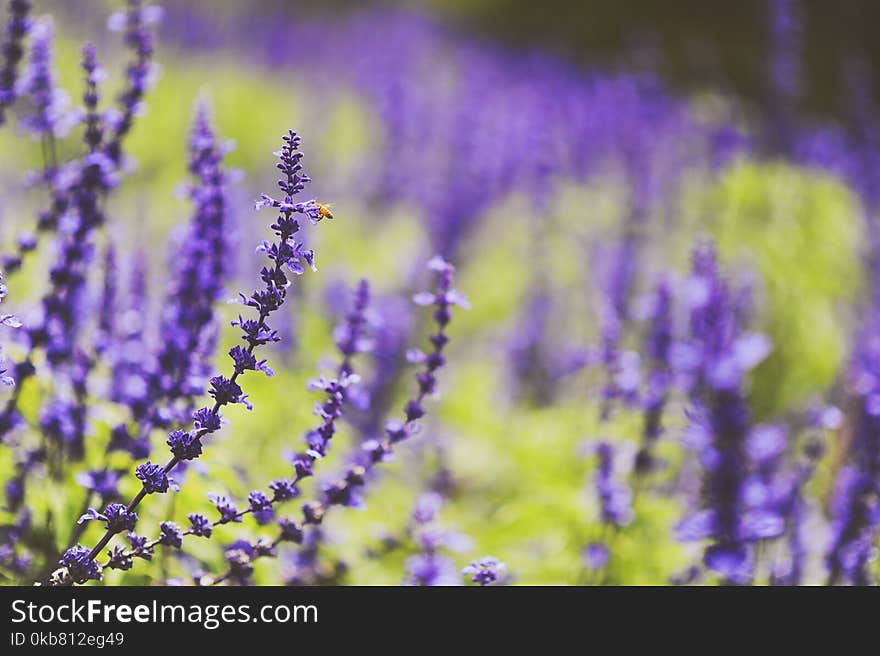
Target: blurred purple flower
column 17, row 27
column 486, row 571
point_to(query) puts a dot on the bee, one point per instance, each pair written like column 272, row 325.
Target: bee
column 324, row 211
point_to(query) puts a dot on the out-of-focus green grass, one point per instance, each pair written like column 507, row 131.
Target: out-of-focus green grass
column 523, row 480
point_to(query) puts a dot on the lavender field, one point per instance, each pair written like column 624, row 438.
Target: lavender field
column 361, row 297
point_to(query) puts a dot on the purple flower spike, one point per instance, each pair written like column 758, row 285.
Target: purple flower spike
column 658, row 347
column 135, row 23
column 731, row 515
column 347, row 491
column 285, row 253
column 614, row 496
column 12, row 52
column 854, row 503
column 51, row 114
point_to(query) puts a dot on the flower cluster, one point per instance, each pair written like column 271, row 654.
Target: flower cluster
column 351, row 339
column 346, row 491
column 77, row 189
column 103, row 162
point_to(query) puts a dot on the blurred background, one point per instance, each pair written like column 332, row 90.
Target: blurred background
column 566, row 156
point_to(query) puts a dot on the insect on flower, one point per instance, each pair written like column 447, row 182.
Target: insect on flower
column 324, row 211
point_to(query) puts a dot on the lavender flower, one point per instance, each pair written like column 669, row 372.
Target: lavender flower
column 430, row 567
column 486, row 571
column 791, row 570
column 12, row 52
column 765, row 496
column 10, row 321
column 346, row 490
column 443, row 300
column 15, row 556
column 286, row 253
column 620, row 368
column 107, row 312
column 239, row 556
column 78, row 189
column 658, row 345
column 165, row 392
column 64, row 420
column 290, row 531
column 350, row 335
column 200, row 525
column 140, row 546
column 261, row 506
column 227, row 509
column 129, row 372
column 103, row 482
column 116, row 518
column 77, row 194
column 94, row 133
column 15, row 487
column 99, row 165
column 50, row 115
column 135, row 22
column 856, row 500
column 171, row 535
column 186, row 445
column 596, row 556
column 390, row 326
column 153, row 477
column 614, row 496
column 118, row 558
column 26, row 243
column 720, row 357
column 198, row 271
column 79, row 565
